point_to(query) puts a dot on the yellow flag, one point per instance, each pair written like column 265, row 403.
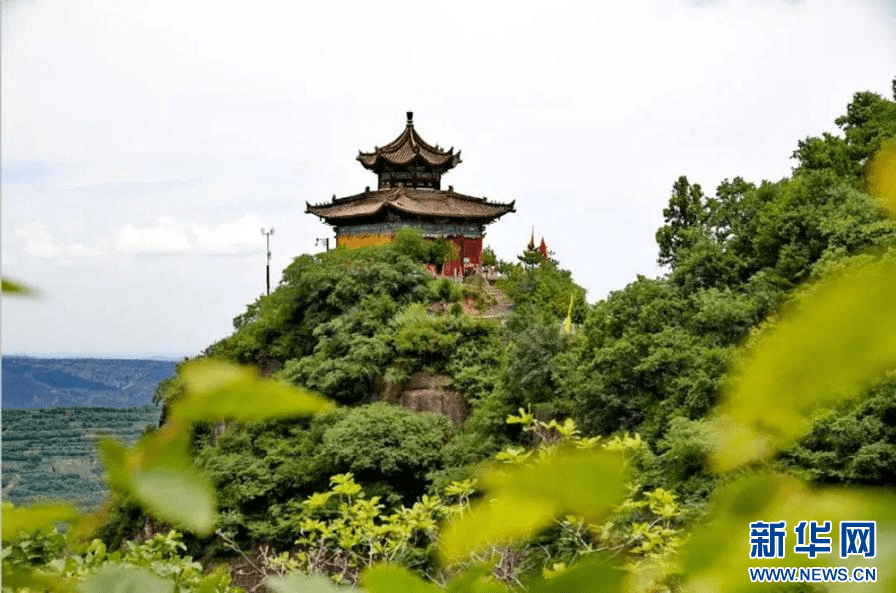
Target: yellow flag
column 567, row 323
column 881, row 175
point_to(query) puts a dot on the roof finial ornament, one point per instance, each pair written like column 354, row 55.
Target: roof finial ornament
column 407, row 145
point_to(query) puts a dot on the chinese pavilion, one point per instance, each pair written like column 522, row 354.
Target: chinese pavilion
column 409, row 194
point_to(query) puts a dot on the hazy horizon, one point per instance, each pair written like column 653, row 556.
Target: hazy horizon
column 99, row 356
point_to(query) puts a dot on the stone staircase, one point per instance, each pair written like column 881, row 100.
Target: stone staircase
column 501, row 308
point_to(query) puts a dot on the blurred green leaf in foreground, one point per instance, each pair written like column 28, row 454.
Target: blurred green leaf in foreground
column 11, row 287
column 159, row 471
column 833, row 345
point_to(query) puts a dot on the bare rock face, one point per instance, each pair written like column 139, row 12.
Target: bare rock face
column 425, row 392
column 269, row 366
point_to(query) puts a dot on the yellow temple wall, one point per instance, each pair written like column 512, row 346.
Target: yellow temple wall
column 352, row 241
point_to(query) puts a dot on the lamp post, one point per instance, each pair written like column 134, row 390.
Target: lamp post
column 267, row 235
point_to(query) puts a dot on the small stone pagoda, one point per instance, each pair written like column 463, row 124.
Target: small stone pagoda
column 409, row 194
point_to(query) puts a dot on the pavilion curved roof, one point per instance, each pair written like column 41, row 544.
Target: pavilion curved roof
column 408, row 147
column 411, row 201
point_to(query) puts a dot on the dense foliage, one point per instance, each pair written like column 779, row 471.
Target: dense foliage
column 157, row 564
column 262, row 471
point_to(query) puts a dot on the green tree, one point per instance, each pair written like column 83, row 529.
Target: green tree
column 685, row 217
column 387, row 448
column 855, row 444
column 547, row 288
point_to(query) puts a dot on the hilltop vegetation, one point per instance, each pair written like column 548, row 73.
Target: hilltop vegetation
column 638, row 374
column 355, row 326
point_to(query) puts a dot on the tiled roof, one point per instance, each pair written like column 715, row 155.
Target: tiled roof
column 410, row 200
column 408, row 146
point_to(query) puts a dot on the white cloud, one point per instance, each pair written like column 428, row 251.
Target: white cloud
column 39, row 243
column 160, row 239
column 235, row 237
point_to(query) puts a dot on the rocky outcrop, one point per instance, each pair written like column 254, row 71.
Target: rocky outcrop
column 426, row 392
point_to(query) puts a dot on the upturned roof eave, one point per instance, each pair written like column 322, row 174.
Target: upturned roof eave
column 373, row 161
column 390, row 201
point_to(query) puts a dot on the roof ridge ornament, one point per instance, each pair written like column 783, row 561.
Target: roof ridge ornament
column 410, row 115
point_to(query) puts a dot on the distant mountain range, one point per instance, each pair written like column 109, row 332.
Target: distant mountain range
column 54, row 382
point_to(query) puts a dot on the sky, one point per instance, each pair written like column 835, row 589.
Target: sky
column 145, row 144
